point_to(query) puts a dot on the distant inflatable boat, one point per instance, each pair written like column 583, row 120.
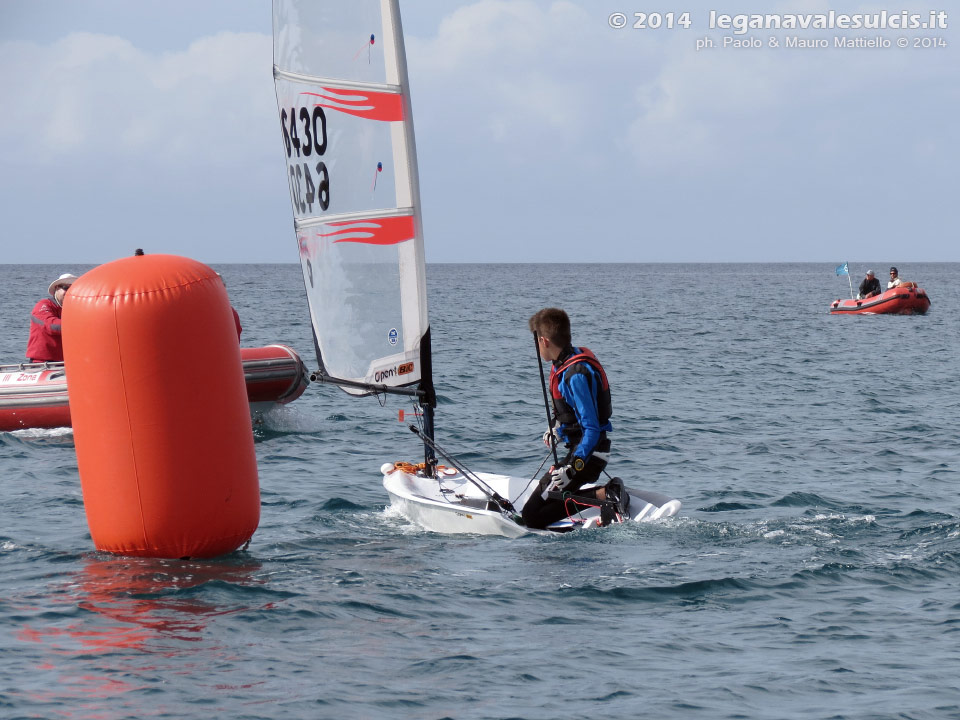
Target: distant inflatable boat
column 897, row 301
column 34, row 395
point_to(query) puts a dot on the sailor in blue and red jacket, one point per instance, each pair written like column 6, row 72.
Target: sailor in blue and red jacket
column 45, row 343
column 581, row 419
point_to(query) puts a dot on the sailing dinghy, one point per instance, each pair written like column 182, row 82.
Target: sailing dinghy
column 452, row 503
column 345, row 116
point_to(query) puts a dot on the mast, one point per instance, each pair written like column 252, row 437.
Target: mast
column 428, row 399
column 428, row 402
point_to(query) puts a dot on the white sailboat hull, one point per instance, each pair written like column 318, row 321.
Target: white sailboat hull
column 451, row 504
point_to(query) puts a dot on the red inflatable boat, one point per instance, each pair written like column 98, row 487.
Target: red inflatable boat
column 34, row 395
column 897, row 301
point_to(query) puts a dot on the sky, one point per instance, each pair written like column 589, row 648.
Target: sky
column 544, row 134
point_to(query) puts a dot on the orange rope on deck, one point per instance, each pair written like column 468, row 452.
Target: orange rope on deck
column 413, row 469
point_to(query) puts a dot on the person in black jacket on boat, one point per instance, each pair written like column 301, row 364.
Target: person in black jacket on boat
column 869, row 287
column 581, row 420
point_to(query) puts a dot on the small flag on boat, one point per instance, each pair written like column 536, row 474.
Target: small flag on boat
column 843, row 269
column 379, row 170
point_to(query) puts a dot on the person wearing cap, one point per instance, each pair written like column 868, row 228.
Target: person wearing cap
column 895, row 280
column 869, row 287
column 45, row 343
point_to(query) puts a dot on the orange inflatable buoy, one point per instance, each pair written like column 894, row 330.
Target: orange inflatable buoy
column 161, row 421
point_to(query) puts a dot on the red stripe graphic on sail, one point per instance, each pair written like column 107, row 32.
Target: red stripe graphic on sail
column 368, row 104
column 374, row 231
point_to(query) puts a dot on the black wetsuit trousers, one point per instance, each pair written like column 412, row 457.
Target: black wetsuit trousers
column 538, row 513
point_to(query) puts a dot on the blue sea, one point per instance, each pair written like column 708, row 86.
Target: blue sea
column 813, row 572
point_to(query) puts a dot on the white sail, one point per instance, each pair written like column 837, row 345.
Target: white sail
column 344, row 108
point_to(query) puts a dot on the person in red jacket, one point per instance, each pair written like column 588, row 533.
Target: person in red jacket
column 45, row 343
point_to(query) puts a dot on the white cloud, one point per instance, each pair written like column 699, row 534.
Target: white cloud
column 534, row 118
column 721, row 105
column 100, row 96
column 514, row 68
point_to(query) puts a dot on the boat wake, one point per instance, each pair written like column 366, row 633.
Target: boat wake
column 286, row 419
column 38, row 436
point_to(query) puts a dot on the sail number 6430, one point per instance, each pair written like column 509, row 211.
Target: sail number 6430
column 304, row 191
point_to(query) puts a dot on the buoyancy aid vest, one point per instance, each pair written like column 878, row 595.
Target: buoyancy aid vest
column 564, row 413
